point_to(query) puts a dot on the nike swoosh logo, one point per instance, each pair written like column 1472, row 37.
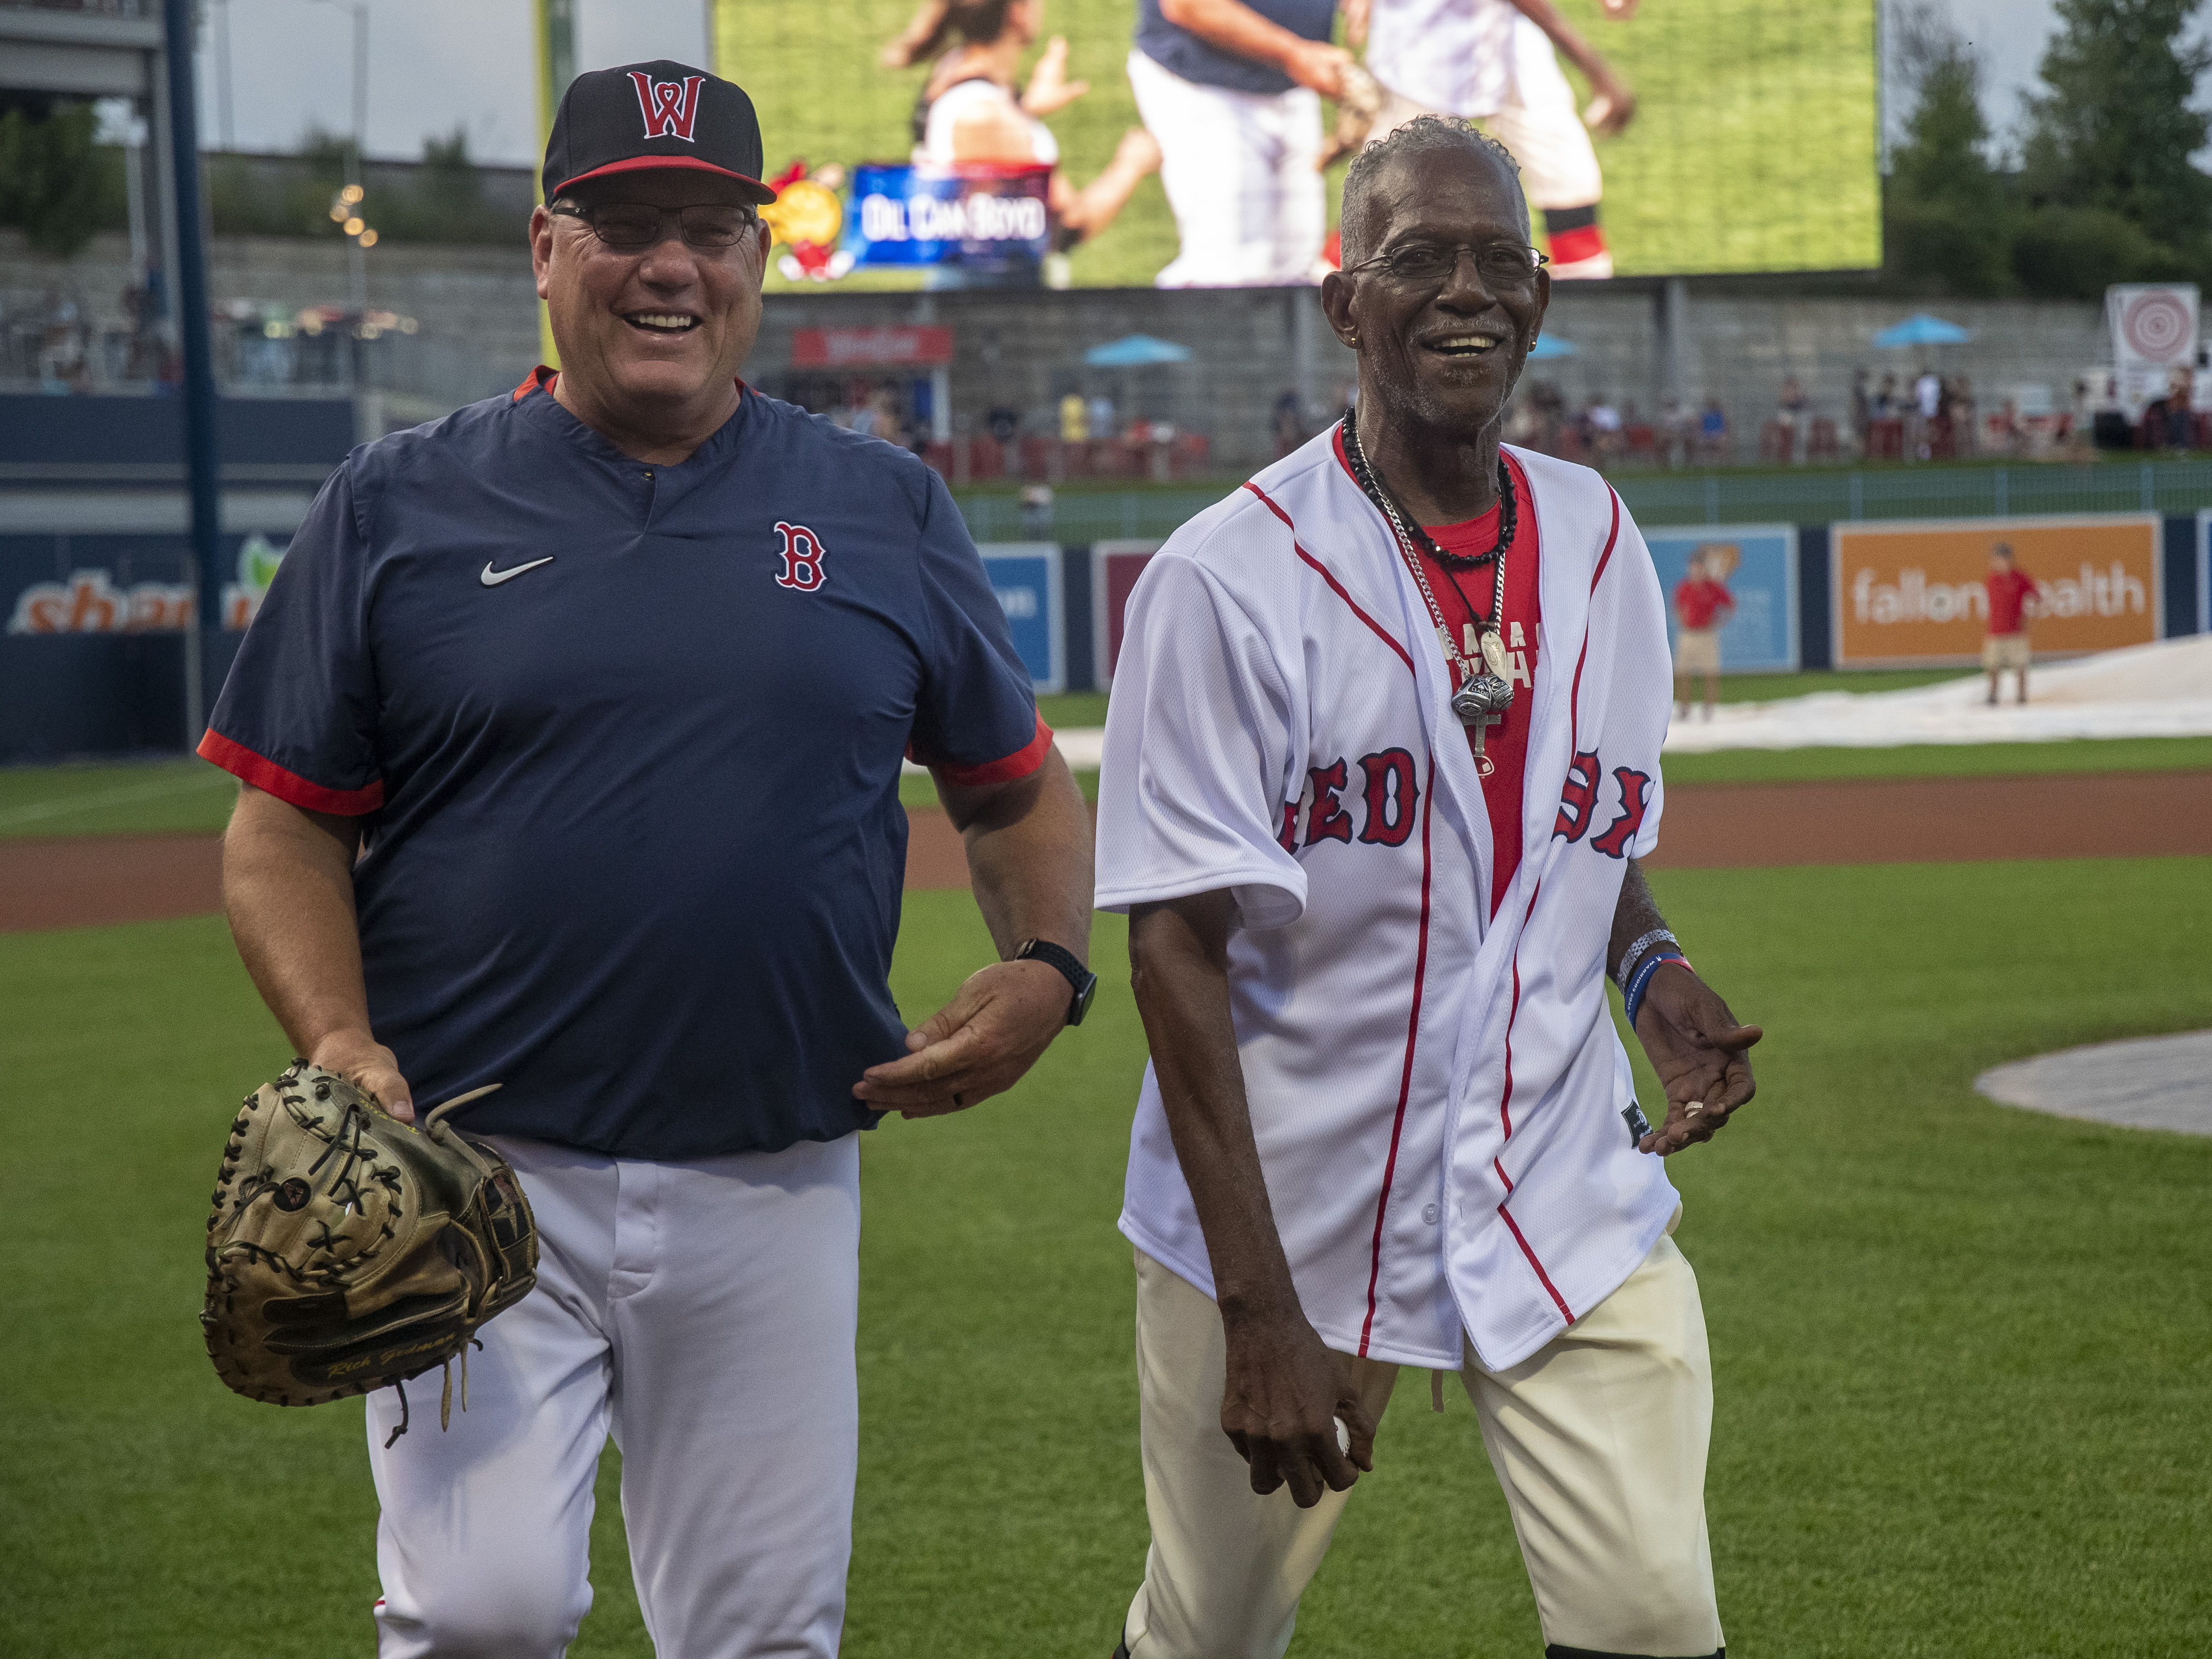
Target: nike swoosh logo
column 492, row 578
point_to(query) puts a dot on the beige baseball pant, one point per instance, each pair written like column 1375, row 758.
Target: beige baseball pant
column 1598, row 1439
column 703, row 1314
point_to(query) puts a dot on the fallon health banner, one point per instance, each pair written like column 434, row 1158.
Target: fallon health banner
column 1908, row 595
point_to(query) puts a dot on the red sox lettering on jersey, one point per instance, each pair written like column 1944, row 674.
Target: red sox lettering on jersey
column 1438, row 1094
column 670, row 106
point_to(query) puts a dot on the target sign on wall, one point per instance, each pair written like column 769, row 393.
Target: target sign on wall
column 2152, row 326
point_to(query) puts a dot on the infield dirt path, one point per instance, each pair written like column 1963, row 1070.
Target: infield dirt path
column 47, row 884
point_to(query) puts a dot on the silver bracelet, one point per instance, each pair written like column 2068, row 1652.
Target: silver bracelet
column 1634, row 953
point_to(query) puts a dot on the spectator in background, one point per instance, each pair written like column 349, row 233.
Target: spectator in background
column 1102, row 416
column 1862, row 411
column 1074, row 419
column 1602, row 424
column 1962, row 414
column 1702, row 603
column 1927, row 408
column 1003, row 422
column 1288, row 422
column 2011, row 602
column 1713, row 432
column 1677, row 432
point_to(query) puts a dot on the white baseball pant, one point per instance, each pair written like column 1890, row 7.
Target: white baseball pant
column 703, row 1314
column 1598, row 1439
column 1238, row 168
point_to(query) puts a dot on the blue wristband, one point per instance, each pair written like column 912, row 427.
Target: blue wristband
column 1633, row 999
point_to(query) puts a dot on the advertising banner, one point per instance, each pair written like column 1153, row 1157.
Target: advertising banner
column 2203, row 571
column 1912, row 595
column 1115, row 568
column 989, row 220
column 1026, row 577
column 1758, row 564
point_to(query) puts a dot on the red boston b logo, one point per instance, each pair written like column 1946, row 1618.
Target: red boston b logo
column 670, row 106
column 802, row 553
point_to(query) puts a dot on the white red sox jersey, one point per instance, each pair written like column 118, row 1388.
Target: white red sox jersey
column 1445, row 1117
column 1463, row 56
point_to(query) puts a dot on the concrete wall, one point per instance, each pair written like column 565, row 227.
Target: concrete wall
column 477, row 336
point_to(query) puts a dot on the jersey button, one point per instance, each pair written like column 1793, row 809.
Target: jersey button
column 1429, row 1214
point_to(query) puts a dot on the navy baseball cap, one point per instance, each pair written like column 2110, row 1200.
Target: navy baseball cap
column 660, row 114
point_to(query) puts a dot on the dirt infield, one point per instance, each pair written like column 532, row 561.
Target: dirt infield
column 97, row 879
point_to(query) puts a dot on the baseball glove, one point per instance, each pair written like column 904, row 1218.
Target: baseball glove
column 348, row 1250
column 1357, row 106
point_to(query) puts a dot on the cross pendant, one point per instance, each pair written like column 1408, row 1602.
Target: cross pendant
column 1475, row 729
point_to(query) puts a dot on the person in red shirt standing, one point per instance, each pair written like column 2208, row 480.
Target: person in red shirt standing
column 1702, row 603
column 2012, row 601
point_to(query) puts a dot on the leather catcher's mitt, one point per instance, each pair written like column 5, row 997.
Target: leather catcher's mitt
column 349, row 1251
column 1357, row 106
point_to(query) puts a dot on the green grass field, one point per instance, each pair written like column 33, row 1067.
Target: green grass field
column 1752, row 149
column 185, row 796
column 1962, row 1351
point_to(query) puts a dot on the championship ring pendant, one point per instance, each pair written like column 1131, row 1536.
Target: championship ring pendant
column 1482, row 702
column 1486, row 698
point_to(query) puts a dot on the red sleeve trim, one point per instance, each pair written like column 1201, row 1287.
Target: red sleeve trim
column 1019, row 764
column 271, row 779
column 539, row 379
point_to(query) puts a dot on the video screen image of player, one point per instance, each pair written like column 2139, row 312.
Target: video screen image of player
column 1114, row 143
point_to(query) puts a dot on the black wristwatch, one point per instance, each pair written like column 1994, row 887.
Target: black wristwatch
column 1084, row 982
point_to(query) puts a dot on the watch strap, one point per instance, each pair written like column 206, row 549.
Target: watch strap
column 1080, row 980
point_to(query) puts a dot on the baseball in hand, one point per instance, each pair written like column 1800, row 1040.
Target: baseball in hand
column 1343, row 1435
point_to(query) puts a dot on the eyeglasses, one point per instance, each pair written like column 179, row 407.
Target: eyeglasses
column 1508, row 264
column 630, row 227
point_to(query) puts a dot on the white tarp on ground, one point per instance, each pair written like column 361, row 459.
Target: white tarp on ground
column 2161, row 690
column 2148, row 1083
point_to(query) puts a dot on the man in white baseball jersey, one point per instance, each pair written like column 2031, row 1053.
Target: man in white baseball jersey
column 1494, row 61
column 1384, row 746
column 1232, row 90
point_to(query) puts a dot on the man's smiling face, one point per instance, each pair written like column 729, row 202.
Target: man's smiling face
column 1443, row 354
column 657, row 331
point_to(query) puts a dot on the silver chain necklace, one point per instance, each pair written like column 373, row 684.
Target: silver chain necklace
column 1484, row 695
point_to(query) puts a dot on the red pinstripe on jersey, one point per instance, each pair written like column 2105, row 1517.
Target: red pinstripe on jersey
column 1421, row 943
column 1329, row 576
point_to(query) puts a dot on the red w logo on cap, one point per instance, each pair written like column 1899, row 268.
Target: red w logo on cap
column 670, row 106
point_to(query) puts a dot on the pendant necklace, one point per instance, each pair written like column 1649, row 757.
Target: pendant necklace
column 1484, row 693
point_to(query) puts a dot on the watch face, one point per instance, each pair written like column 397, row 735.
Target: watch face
column 1083, row 1000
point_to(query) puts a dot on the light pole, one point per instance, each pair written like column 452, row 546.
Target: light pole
column 202, row 455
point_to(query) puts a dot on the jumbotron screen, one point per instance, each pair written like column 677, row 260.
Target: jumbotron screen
column 953, row 144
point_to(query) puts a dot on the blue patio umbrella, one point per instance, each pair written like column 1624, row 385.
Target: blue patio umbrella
column 1551, row 345
column 1136, row 351
column 1921, row 329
